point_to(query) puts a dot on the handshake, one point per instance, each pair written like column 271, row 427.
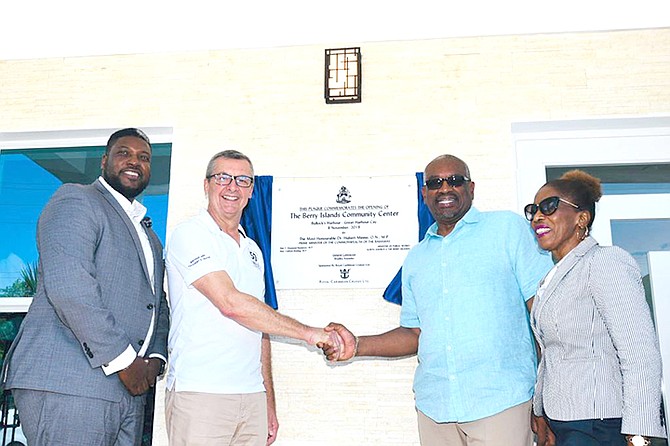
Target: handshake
column 336, row 341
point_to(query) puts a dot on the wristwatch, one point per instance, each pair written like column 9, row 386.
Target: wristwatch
column 638, row 440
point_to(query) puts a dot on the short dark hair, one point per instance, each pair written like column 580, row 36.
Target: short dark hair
column 131, row 131
column 228, row 154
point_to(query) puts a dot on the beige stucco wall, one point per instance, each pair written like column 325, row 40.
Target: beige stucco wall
column 420, row 99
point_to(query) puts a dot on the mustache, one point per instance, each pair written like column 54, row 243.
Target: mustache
column 442, row 195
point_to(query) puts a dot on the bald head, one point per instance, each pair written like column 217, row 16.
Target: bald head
column 452, row 160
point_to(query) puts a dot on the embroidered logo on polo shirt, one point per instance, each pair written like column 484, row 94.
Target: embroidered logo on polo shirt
column 254, row 259
column 197, row 260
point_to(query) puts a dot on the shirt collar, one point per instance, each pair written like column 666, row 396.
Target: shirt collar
column 472, row 216
column 213, row 227
column 135, row 210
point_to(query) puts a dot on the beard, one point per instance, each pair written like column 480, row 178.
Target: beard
column 130, row 192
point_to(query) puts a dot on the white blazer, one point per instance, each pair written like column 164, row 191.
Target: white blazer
column 600, row 355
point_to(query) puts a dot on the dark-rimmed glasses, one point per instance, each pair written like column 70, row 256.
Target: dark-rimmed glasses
column 224, row 179
column 453, row 181
column 547, row 206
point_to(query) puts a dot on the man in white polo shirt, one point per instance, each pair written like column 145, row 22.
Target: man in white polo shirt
column 219, row 384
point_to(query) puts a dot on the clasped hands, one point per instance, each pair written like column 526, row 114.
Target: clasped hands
column 337, row 342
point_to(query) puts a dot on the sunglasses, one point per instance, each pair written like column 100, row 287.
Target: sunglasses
column 547, row 206
column 224, row 179
column 453, row 181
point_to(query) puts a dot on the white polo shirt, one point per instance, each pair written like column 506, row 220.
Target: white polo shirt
column 208, row 351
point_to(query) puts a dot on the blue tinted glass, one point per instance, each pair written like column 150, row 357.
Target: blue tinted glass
column 638, row 237
column 28, row 178
column 635, row 188
column 624, row 179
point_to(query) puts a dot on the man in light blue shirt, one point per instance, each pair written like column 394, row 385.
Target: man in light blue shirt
column 466, row 288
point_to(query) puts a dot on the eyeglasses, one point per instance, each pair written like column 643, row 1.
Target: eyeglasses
column 453, row 181
column 224, row 179
column 547, row 206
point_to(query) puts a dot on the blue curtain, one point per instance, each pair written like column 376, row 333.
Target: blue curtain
column 393, row 292
column 257, row 222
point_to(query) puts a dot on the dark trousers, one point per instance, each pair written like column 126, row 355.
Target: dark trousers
column 605, row 432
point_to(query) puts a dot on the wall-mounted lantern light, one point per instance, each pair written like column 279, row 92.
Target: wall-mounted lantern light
column 343, row 75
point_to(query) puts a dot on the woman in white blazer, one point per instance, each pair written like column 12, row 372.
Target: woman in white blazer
column 599, row 377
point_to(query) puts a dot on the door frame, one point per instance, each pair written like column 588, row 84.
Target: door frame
column 585, row 142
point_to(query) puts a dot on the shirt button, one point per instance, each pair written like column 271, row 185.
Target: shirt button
column 141, row 342
column 446, row 318
column 452, row 377
column 150, row 307
column 448, row 348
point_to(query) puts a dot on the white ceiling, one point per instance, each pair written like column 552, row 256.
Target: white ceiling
column 43, row 28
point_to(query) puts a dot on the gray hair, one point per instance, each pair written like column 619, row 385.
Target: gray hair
column 228, row 154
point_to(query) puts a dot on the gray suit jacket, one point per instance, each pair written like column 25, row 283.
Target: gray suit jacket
column 600, row 355
column 93, row 297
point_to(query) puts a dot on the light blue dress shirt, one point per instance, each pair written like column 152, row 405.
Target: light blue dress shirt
column 467, row 293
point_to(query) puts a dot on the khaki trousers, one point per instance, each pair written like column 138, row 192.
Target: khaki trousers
column 207, row 419
column 510, row 427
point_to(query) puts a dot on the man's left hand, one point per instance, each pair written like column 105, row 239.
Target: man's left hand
column 153, row 369
column 140, row 375
column 273, row 425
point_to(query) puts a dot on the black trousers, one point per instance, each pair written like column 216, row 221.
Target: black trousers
column 605, row 432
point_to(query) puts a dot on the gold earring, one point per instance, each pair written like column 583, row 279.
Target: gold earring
column 583, row 235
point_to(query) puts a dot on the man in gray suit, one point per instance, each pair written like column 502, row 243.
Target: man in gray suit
column 95, row 337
